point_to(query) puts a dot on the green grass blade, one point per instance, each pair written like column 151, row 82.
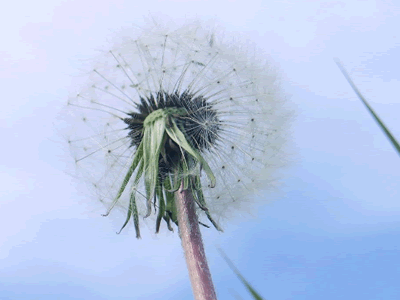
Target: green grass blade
column 374, row 115
column 242, row 279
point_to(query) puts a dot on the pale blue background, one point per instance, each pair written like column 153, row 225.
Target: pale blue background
column 335, row 233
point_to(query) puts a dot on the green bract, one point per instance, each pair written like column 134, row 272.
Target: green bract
column 158, row 127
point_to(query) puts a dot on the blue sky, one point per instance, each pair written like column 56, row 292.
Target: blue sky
column 332, row 233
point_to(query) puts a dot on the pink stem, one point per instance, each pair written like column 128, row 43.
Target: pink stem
column 192, row 243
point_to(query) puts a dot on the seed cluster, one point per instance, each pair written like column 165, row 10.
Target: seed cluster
column 199, row 122
column 226, row 103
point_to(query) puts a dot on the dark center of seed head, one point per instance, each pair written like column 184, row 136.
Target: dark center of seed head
column 194, row 116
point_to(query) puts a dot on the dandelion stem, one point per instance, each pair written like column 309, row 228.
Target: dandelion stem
column 192, row 243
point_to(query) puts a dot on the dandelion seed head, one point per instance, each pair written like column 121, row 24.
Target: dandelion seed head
column 227, row 103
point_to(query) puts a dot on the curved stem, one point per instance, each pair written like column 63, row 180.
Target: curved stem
column 192, row 244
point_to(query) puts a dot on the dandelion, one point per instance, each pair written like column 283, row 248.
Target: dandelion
column 181, row 126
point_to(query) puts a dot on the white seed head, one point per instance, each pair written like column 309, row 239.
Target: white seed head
column 243, row 143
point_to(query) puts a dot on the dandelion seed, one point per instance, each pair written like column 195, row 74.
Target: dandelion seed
column 179, row 116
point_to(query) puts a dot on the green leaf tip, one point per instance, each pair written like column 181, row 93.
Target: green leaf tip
column 251, row 290
column 388, row 134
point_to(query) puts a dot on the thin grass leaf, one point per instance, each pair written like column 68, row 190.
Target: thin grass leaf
column 374, row 115
column 242, row 279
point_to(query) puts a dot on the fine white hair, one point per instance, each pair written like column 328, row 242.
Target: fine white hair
column 241, row 85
